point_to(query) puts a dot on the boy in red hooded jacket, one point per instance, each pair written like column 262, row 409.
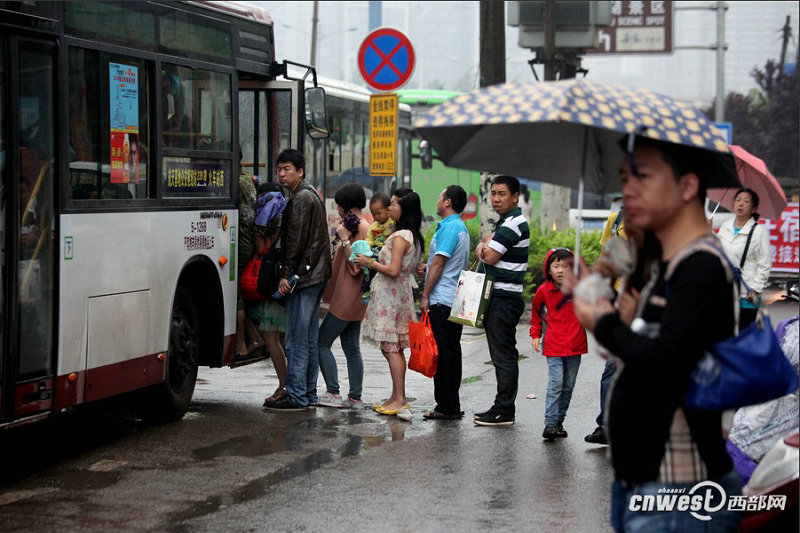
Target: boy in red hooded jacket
column 564, row 340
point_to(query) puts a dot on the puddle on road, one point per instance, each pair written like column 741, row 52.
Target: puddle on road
column 81, row 479
column 325, row 424
column 362, row 430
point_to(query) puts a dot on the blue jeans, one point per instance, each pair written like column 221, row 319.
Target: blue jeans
column 561, row 375
column 605, row 382
column 302, row 334
column 640, row 520
column 500, row 322
column 350, row 335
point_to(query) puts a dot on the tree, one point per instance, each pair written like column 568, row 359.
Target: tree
column 765, row 122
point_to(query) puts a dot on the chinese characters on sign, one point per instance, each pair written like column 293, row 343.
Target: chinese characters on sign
column 383, row 134
column 194, row 176
column 783, row 240
column 124, row 114
column 643, row 26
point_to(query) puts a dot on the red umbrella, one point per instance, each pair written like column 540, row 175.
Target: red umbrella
column 754, row 175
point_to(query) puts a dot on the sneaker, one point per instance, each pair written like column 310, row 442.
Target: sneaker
column 493, row 418
column 561, row 433
column 330, row 400
column 598, row 436
column 550, row 432
column 483, row 414
column 352, row 403
column 283, row 404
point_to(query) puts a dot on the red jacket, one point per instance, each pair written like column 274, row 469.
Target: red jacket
column 563, row 334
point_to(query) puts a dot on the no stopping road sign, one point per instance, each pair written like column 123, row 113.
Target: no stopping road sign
column 386, row 59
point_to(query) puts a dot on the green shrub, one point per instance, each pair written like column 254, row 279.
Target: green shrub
column 540, row 243
column 543, row 241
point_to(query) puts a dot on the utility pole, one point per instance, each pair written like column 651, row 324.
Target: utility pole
column 787, row 34
column 554, row 212
column 719, row 102
column 492, row 71
column 314, row 21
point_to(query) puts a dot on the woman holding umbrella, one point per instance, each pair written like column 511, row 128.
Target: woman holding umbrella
column 746, row 244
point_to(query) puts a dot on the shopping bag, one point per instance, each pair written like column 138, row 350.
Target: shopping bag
column 747, row 369
column 472, row 298
column 248, row 284
column 424, row 352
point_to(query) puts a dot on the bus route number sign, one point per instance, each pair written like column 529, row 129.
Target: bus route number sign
column 383, row 134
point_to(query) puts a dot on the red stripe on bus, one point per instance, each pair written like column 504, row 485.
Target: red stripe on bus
column 125, row 376
column 33, row 397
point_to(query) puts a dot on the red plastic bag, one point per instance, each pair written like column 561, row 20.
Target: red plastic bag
column 249, row 282
column 424, row 352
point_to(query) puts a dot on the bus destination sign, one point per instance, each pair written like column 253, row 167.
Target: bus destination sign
column 208, row 177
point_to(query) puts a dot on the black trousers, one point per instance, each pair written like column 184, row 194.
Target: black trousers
column 500, row 323
column 447, row 380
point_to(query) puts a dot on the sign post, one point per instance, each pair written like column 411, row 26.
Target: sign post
column 637, row 27
column 386, row 61
column 383, row 134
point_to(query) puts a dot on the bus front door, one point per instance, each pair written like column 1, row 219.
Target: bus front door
column 269, row 122
column 27, row 170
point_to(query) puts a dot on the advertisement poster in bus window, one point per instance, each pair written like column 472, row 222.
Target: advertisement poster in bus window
column 783, row 239
column 124, row 113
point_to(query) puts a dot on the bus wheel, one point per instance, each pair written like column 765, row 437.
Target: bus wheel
column 175, row 394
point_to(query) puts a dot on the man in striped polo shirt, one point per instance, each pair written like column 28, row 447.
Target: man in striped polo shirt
column 505, row 256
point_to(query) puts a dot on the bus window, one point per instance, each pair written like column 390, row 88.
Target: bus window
column 35, row 220
column 3, row 199
column 108, row 126
column 195, row 109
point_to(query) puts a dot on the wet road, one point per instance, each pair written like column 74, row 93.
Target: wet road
column 229, row 466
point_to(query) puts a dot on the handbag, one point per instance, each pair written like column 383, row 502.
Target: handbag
column 248, row 284
column 473, row 291
column 260, row 277
column 746, row 369
column 269, row 275
column 424, row 352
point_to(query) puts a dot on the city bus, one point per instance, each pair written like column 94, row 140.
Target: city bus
column 343, row 157
column 429, row 182
column 123, row 129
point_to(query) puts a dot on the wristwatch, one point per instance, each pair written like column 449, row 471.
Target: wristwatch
column 346, row 243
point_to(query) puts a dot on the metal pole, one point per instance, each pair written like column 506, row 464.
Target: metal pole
column 549, row 40
column 314, row 21
column 719, row 106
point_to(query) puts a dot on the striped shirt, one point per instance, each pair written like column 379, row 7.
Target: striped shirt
column 511, row 239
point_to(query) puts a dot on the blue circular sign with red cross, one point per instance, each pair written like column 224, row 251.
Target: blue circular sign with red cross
column 386, row 59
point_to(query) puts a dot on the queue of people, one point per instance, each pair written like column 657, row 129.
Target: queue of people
column 672, row 301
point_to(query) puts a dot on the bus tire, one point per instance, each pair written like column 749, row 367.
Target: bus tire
column 173, row 397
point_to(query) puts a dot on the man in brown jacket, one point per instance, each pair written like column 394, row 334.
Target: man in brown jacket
column 306, row 260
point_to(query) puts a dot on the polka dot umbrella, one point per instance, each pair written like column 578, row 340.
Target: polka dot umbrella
column 566, row 132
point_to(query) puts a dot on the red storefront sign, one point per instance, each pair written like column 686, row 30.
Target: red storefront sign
column 783, row 240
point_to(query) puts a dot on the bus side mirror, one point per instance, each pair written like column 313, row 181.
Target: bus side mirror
column 316, row 122
column 425, row 155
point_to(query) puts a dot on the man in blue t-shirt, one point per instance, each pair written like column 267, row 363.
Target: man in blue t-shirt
column 447, row 257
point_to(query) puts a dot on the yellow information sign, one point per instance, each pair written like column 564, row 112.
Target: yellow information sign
column 383, row 134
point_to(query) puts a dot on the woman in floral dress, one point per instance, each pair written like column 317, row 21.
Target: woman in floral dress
column 391, row 305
